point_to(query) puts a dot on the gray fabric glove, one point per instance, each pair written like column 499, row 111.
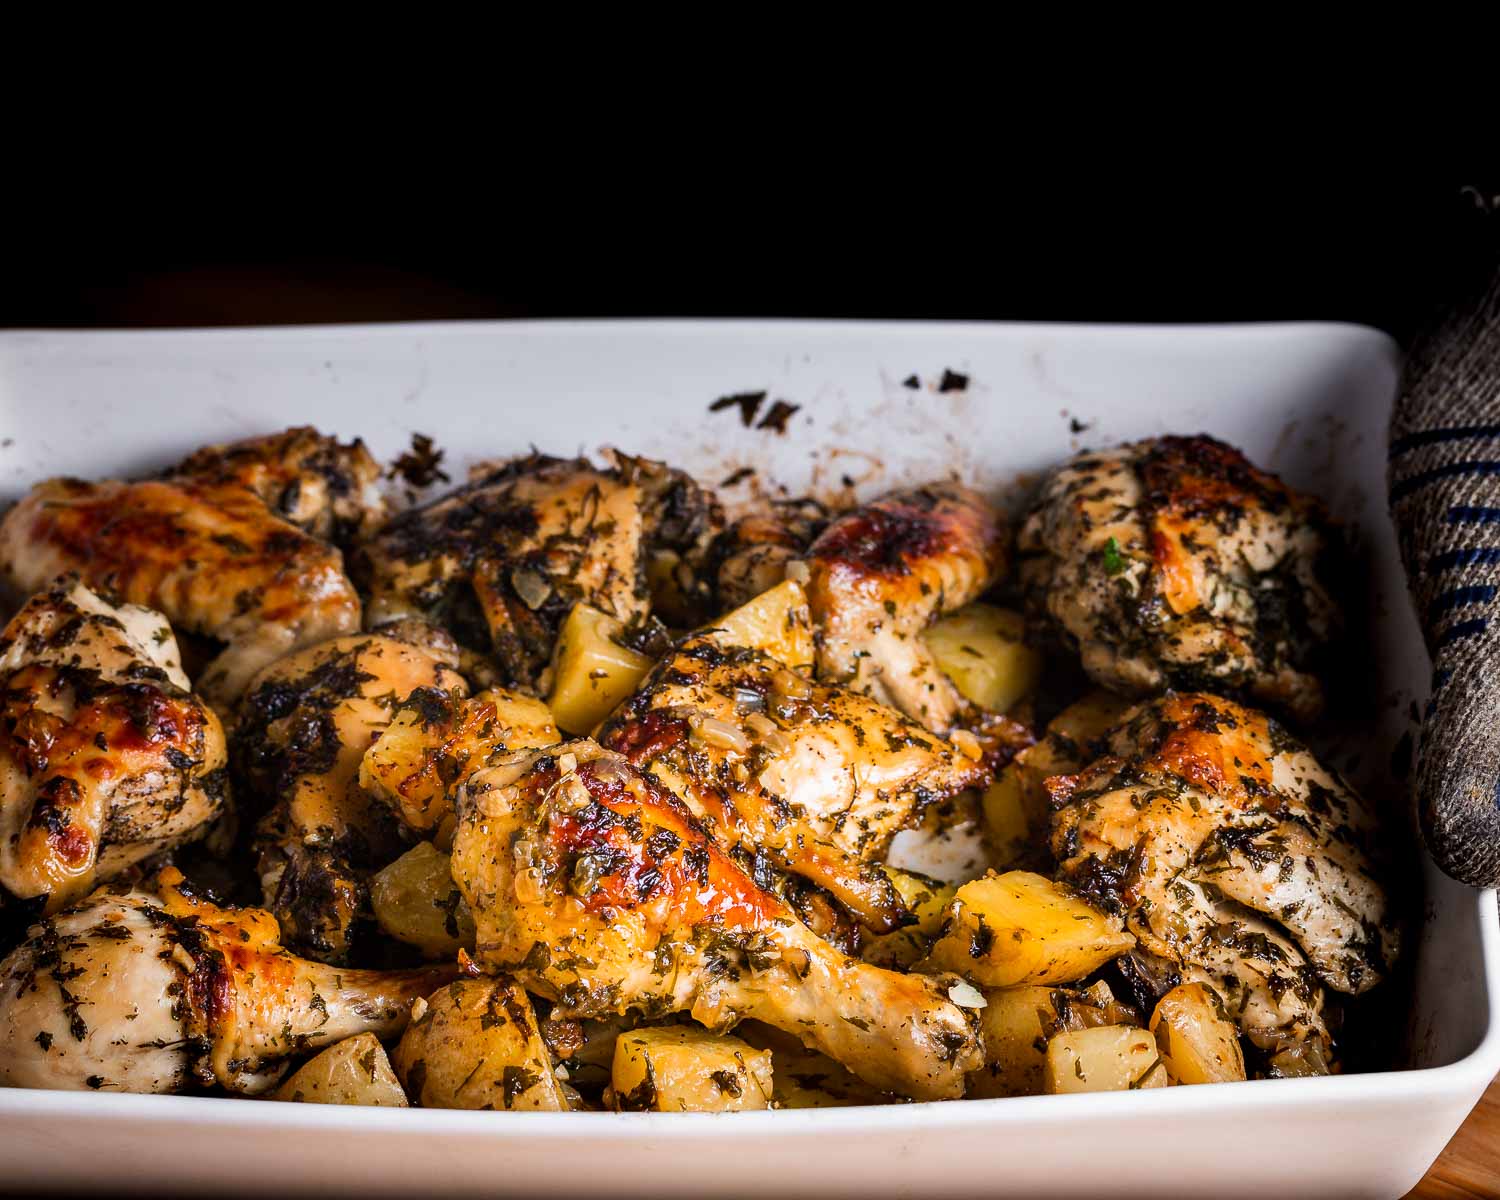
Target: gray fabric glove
column 1445, row 498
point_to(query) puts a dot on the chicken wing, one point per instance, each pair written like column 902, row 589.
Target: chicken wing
column 162, row 991
column 817, row 778
column 501, row 561
column 882, row 574
column 1232, row 851
column 105, row 756
column 1174, row 562
column 304, row 725
column 306, row 478
column 598, row 889
column 209, row 555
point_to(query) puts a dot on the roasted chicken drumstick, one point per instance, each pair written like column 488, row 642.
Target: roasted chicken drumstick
column 161, row 991
column 596, row 887
column 882, row 574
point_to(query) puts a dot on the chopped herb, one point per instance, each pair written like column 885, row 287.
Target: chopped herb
column 952, row 381
column 776, row 419
column 420, row 466
column 1114, row 561
column 748, row 403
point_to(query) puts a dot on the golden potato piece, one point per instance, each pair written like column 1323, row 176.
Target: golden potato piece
column 776, row 622
column 1019, row 927
column 436, row 740
column 354, row 1071
column 981, row 648
column 676, row 1068
column 1014, row 1027
column 416, row 902
column 476, row 1045
column 1107, row 1058
column 1009, row 814
column 593, row 671
column 1198, row 1042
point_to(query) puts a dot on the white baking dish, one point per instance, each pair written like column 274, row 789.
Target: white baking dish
column 1311, row 401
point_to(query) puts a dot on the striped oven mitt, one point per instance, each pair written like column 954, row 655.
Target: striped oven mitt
column 1445, row 499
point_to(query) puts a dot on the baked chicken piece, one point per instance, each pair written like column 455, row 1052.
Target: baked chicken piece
column 805, row 777
column 751, row 556
column 162, row 991
column 880, row 575
column 1173, row 562
column 308, row 479
column 1233, row 853
column 597, row 888
column 304, row 726
column 105, row 756
column 209, row 555
column 501, row 561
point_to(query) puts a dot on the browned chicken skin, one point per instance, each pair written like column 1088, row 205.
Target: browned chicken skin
column 304, row 725
column 105, row 756
column 1233, row 853
column 817, row 778
column 882, row 574
column 161, row 991
column 596, row 887
column 306, row 478
column 208, row 555
column 1174, row 562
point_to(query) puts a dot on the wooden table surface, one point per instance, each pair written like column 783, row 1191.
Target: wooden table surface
column 1470, row 1166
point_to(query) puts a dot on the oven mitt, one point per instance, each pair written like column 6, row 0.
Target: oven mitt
column 1444, row 477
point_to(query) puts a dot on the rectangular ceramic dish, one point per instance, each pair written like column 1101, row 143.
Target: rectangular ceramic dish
column 879, row 404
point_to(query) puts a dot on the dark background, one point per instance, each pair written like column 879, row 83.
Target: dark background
column 921, row 240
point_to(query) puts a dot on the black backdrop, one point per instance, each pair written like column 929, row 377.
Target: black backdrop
column 933, row 240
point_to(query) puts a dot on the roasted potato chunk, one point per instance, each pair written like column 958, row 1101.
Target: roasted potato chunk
column 476, row 1045
column 354, row 1071
column 1106, row 1058
column 1198, row 1042
column 1019, row 927
column 593, row 672
column 1013, row 1025
column 982, row 649
column 776, row 622
column 675, row 1068
column 416, row 902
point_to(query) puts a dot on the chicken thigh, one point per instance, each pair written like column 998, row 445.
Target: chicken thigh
column 1233, row 852
column 1174, row 562
column 501, row 561
column 597, row 888
column 162, row 991
column 105, row 756
column 817, row 778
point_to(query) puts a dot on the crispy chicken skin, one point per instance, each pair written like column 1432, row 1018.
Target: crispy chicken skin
column 809, row 778
column 1234, row 853
column 1174, row 562
column 105, row 756
column 304, row 726
column 162, row 991
column 209, row 555
column 308, row 479
column 501, row 561
column 598, row 889
column 881, row 574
